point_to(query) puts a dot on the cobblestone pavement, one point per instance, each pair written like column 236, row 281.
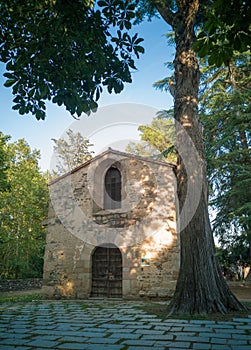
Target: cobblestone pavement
column 86, row 325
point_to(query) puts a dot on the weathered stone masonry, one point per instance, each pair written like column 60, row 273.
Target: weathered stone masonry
column 142, row 229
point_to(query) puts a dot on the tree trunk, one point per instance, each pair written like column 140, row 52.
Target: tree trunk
column 201, row 287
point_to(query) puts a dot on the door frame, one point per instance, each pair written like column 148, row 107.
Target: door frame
column 106, row 280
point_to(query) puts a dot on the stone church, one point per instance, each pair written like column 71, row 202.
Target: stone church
column 111, row 230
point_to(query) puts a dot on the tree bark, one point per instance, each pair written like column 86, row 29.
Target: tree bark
column 201, row 288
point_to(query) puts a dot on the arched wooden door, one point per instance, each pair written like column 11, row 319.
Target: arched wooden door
column 107, row 272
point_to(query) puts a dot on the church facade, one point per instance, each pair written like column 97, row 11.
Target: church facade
column 111, row 230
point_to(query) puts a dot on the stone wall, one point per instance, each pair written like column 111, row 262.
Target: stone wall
column 20, row 284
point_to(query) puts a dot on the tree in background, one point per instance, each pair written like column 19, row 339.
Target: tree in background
column 157, row 138
column 143, row 149
column 23, row 207
column 4, row 185
column 226, row 114
column 71, row 152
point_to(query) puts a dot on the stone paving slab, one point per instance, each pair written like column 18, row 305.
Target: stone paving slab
column 121, row 326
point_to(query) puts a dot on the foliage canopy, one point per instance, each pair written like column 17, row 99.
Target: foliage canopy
column 23, row 207
column 226, row 29
column 66, row 52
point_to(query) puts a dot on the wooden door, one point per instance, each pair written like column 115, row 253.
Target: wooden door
column 107, row 272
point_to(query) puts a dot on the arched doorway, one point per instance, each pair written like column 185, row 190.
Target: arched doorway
column 107, row 272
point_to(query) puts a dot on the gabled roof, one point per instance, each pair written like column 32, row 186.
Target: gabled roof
column 116, row 152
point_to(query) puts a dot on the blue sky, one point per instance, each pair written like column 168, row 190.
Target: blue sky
column 151, row 68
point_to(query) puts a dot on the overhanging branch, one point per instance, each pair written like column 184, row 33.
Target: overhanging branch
column 163, row 7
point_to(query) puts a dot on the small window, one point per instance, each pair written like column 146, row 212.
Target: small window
column 112, row 195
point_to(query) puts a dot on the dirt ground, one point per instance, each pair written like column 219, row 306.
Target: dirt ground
column 241, row 290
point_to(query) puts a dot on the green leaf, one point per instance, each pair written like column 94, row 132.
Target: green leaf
column 102, row 3
column 203, row 48
column 8, row 75
column 128, row 25
column 139, row 40
column 10, row 66
column 10, row 82
column 31, row 92
column 40, row 114
column 22, row 110
column 17, row 99
column 44, row 91
column 139, row 49
column 93, row 106
column 16, row 107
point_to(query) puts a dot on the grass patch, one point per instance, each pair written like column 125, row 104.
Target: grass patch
column 160, row 310
column 19, row 298
column 87, row 305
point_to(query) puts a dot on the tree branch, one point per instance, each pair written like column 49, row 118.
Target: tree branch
column 164, row 10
